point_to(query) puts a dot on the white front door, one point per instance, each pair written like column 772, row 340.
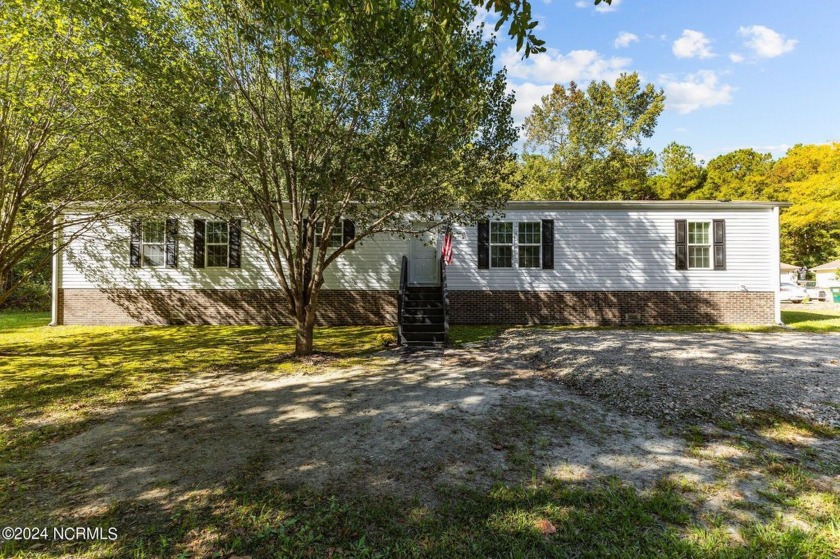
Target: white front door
column 422, row 260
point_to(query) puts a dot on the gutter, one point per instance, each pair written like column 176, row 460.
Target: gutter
column 56, row 262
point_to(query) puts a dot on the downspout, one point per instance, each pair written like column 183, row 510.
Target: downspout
column 56, row 273
column 775, row 259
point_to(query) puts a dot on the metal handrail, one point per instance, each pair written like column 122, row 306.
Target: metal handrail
column 401, row 299
column 445, row 295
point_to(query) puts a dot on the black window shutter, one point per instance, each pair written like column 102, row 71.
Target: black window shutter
column 136, row 241
column 681, row 248
column 483, row 245
column 349, row 231
column 171, row 243
column 234, row 243
column 198, row 243
column 548, row 244
column 719, row 228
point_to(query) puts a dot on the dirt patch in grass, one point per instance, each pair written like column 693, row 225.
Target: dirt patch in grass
column 413, row 429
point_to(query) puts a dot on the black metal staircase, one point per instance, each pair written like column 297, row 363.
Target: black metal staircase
column 423, row 312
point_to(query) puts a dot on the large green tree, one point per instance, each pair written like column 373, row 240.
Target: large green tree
column 587, row 143
column 296, row 135
column 58, row 141
column 679, row 173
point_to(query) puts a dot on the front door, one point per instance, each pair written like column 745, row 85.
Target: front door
column 422, row 260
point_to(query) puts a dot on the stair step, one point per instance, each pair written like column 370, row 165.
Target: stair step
column 424, row 297
column 422, row 327
column 427, row 289
column 423, row 305
column 413, row 319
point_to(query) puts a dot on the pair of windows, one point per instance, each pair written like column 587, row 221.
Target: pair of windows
column 154, row 243
column 520, row 241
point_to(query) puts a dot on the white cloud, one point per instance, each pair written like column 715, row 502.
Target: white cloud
column 693, row 44
column 736, row 57
column 603, row 7
column 696, row 91
column 527, row 95
column 624, row 39
column 765, row 42
column 552, row 66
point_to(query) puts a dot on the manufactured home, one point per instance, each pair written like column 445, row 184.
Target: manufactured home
column 541, row 262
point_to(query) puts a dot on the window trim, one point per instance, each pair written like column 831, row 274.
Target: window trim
column 709, row 245
column 208, row 244
column 143, row 243
column 538, row 244
column 512, row 245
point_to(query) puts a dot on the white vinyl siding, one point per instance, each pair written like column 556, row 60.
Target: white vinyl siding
column 624, row 250
column 594, row 250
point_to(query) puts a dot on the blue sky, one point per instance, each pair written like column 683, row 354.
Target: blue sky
column 746, row 73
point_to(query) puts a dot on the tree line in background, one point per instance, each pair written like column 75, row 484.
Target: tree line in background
column 587, row 144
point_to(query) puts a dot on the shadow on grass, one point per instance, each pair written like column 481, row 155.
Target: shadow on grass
column 553, row 519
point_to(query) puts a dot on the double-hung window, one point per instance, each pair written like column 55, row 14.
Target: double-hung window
column 217, row 244
column 501, row 244
column 529, row 241
column 154, row 243
column 336, row 236
column 699, row 244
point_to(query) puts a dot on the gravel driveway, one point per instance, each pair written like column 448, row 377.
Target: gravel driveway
column 571, row 404
column 691, row 376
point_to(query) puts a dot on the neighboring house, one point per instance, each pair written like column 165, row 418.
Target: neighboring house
column 826, row 274
column 788, row 273
column 612, row 263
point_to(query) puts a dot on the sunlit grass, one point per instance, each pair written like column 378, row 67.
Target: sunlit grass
column 53, row 376
column 817, row 320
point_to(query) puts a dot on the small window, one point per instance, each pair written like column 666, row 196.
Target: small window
column 530, row 244
column 154, row 244
column 216, row 252
column 336, row 236
column 501, row 244
column 699, row 244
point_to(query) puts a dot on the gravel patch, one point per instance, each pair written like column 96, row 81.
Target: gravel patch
column 691, row 377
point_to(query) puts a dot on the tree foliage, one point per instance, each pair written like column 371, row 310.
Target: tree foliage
column 679, row 173
column 587, row 143
column 58, row 140
column 296, row 133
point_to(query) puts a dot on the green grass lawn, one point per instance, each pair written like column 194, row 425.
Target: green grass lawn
column 56, row 377
column 818, row 320
column 55, row 381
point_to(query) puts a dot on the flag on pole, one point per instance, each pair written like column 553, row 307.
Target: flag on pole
column 446, row 251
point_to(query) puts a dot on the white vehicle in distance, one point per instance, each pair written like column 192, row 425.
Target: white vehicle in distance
column 793, row 293
column 813, row 291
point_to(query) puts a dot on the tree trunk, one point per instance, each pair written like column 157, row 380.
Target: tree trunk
column 304, row 336
column 305, row 332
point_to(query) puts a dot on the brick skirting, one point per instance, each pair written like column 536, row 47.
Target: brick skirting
column 612, row 308
column 217, row 306
column 265, row 306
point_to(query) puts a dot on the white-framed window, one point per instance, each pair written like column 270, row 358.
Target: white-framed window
column 501, row 244
column 153, row 243
column 336, row 236
column 699, row 244
column 216, row 244
column 529, row 244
